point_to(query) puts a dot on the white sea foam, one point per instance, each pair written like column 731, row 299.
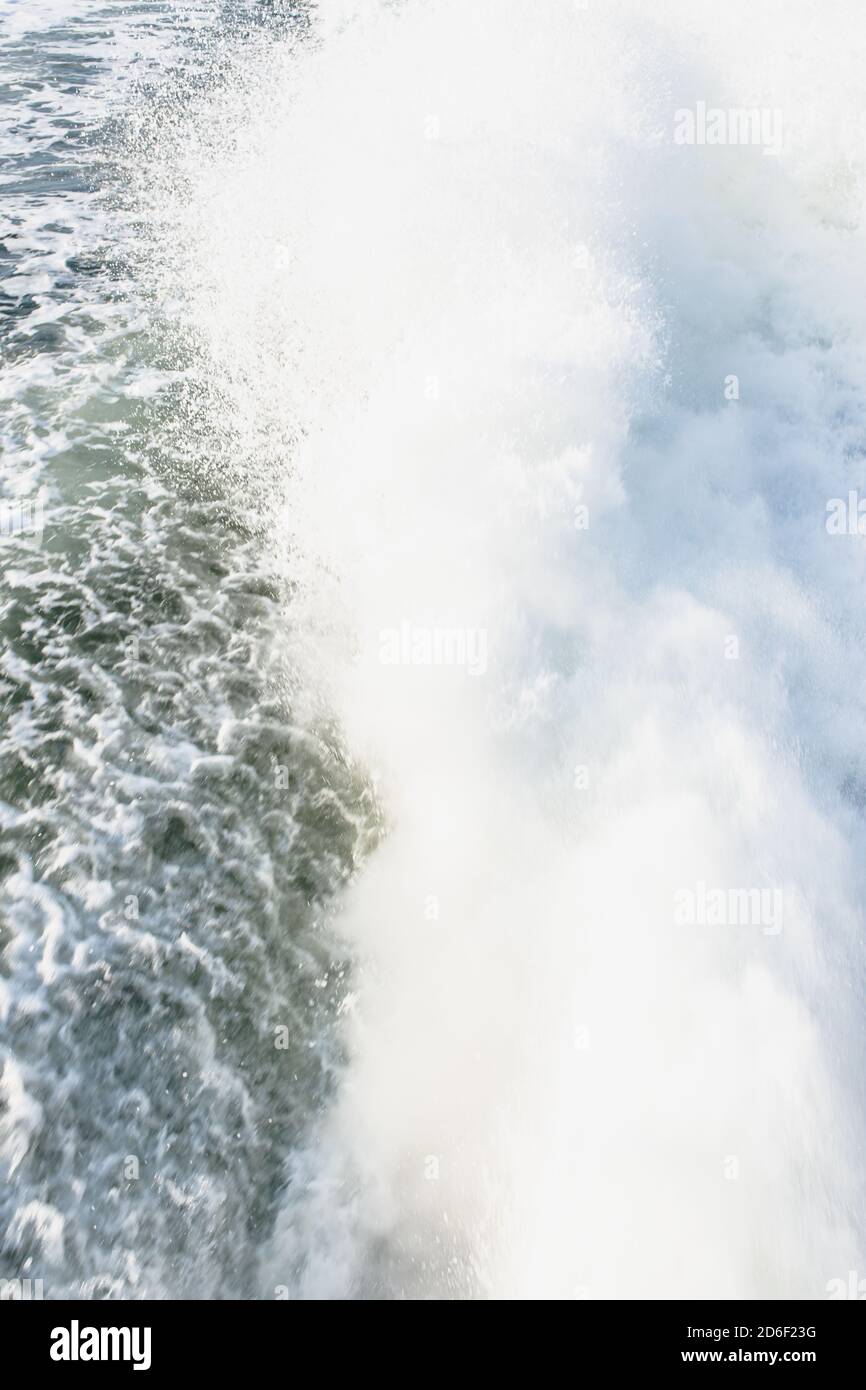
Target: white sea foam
column 458, row 282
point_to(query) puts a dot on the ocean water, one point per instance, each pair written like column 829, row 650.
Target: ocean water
column 433, row 752
column 161, row 891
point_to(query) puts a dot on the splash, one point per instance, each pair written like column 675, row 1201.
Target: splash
column 510, row 359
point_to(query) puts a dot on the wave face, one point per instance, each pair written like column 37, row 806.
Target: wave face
column 513, row 403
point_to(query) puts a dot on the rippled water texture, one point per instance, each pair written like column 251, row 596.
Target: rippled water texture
column 168, row 828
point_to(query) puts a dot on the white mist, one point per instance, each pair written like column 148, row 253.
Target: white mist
column 475, row 309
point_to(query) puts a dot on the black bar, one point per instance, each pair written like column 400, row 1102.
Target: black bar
column 229, row 1338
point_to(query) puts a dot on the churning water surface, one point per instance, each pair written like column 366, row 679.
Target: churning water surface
column 415, row 587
